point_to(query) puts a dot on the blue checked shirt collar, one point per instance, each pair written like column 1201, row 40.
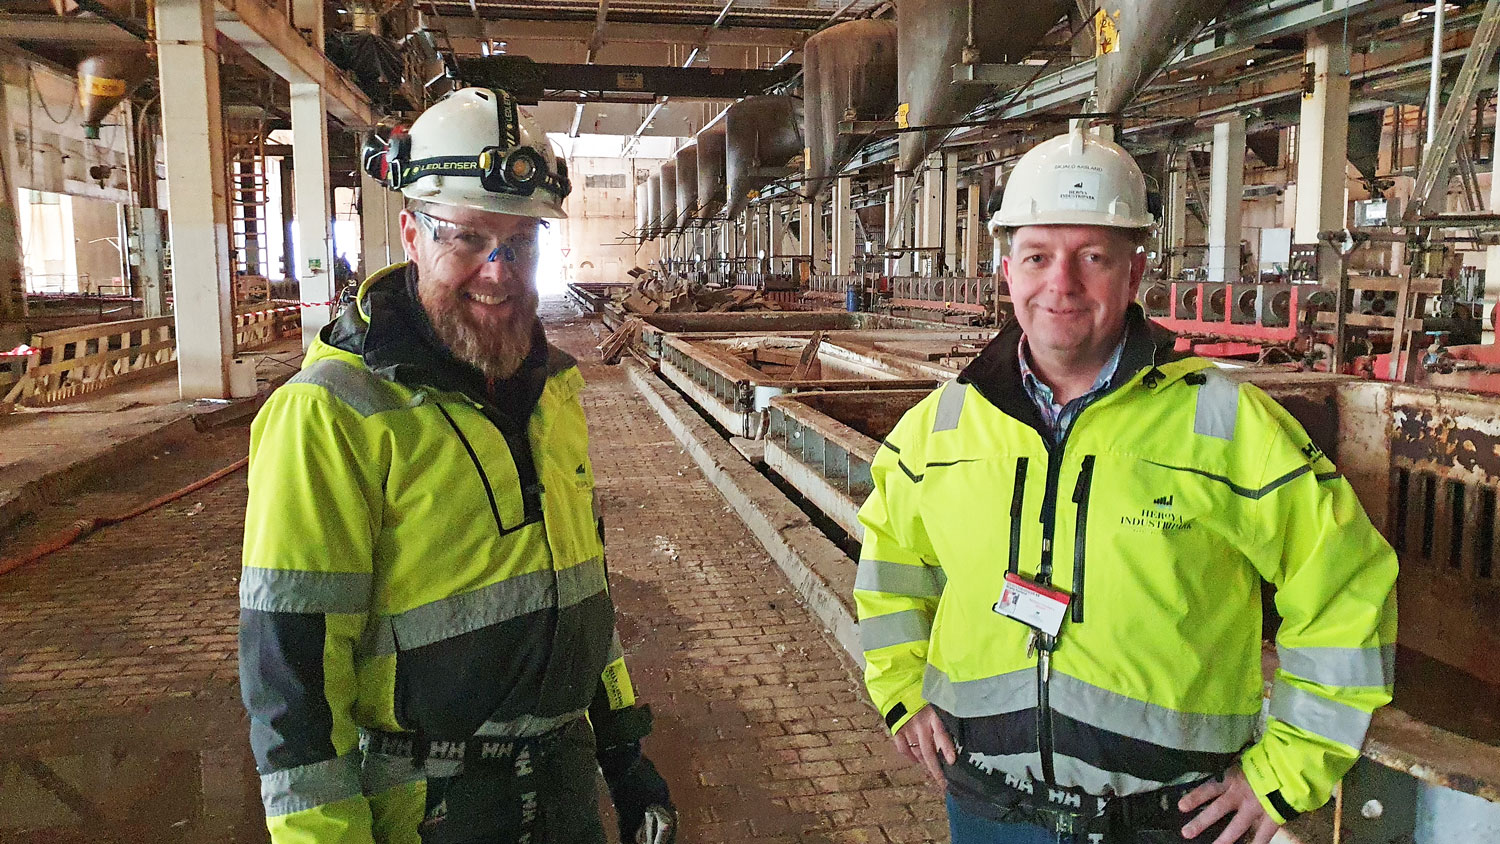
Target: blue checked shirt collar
column 1059, row 418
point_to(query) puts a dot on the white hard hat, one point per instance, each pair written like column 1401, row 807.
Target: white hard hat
column 1074, row 179
column 474, row 148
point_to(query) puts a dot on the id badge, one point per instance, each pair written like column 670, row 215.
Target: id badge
column 1033, row 604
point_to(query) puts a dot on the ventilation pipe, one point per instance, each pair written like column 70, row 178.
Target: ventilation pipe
column 849, row 73
column 761, row 137
column 932, row 38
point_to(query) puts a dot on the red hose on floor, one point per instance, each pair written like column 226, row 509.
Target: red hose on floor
column 84, row 527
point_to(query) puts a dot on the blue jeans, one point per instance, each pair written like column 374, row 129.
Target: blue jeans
column 966, row 828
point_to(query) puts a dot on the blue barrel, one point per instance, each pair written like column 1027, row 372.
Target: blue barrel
column 851, row 299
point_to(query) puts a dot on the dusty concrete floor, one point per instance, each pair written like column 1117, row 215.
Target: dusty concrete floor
column 119, row 712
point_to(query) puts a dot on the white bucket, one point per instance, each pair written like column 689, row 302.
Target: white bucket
column 242, row 378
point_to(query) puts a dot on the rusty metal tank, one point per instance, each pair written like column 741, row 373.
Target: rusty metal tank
column 653, row 206
column 849, row 72
column 104, row 80
column 667, row 218
column 761, row 137
column 687, row 185
column 1139, row 38
column 931, row 41
column 711, row 170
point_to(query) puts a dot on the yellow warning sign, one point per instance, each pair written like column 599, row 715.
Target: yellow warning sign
column 901, row 112
column 102, row 86
column 1106, row 36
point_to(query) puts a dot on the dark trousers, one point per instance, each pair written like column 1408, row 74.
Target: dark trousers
column 547, row 793
column 965, row 827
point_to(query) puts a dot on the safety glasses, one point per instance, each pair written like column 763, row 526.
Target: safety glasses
column 469, row 245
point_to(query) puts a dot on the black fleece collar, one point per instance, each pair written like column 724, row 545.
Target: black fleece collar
column 996, row 372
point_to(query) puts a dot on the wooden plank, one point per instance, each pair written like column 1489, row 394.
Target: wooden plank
column 809, row 358
column 63, row 336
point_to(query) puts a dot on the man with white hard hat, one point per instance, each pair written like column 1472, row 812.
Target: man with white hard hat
column 1059, row 589
column 427, row 642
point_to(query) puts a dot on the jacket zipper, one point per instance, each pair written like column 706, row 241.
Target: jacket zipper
column 1044, row 643
column 489, row 491
column 1080, row 532
column 1017, row 496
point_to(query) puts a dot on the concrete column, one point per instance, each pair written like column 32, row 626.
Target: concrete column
column 149, row 229
column 193, row 134
column 1174, row 239
column 1323, row 147
column 950, row 243
column 12, row 279
column 775, row 234
column 379, row 226
column 843, row 226
column 814, row 242
column 976, row 230
column 314, row 210
column 930, row 216
column 1226, row 199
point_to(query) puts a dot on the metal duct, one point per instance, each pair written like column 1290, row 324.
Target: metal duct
column 642, row 208
column 687, row 185
column 931, row 39
column 1140, row 37
column 653, row 206
column 761, row 136
column 711, row 171
column 849, row 72
column 104, row 80
column 667, row 222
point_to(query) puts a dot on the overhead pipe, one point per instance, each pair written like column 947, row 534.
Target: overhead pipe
column 1435, row 80
column 849, row 73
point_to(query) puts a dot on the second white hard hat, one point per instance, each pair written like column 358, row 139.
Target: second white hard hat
column 1074, row 179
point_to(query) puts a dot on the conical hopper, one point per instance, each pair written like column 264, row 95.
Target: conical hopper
column 711, row 170
column 653, row 206
column 849, row 69
column 761, row 135
column 1140, row 37
column 687, row 185
column 667, row 222
column 931, row 41
column 104, row 80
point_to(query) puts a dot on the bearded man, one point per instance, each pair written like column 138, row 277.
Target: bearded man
column 427, row 644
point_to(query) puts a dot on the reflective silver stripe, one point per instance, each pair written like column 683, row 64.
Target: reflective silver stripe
column 311, row 786
column 1218, row 404
column 528, row 725
column 364, row 391
column 1341, row 666
column 897, row 628
column 1002, row 693
column 281, row 590
column 490, row 605
column 1319, row 715
column 1116, row 713
column 950, row 405
column 915, row 581
column 1137, row 719
column 576, row 584
column 1071, row 773
column 381, row 772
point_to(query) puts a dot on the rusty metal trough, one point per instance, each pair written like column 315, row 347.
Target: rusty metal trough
column 733, row 377
column 1425, row 463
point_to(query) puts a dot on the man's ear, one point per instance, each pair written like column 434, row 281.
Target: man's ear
column 410, row 231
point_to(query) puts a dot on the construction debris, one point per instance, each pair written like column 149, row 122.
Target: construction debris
column 615, row 344
column 652, row 295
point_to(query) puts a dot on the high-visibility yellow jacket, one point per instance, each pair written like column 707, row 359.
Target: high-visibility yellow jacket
column 414, row 561
column 1171, row 498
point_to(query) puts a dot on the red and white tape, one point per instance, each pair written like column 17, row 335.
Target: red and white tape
column 20, row 351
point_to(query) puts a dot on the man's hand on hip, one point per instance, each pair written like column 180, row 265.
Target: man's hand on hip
column 1232, row 797
column 922, row 738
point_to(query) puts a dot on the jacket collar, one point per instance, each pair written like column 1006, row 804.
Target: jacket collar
column 996, row 372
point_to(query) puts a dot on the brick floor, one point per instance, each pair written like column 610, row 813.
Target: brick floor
column 119, row 713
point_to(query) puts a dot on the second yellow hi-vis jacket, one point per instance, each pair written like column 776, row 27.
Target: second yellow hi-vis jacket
column 416, row 561
column 1162, row 510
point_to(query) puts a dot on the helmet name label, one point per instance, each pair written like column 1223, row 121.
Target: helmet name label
column 1078, row 186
